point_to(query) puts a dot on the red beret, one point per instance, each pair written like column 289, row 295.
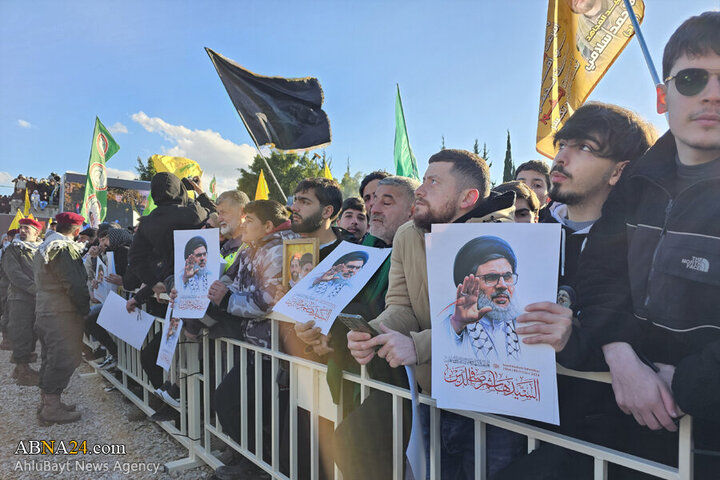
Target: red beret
column 31, row 222
column 69, row 218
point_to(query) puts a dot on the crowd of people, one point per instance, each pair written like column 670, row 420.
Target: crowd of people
column 637, row 296
column 41, row 192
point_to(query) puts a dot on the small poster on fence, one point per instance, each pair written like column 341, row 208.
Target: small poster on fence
column 484, row 274
column 197, row 266
column 170, row 336
column 130, row 327
column 323, row 293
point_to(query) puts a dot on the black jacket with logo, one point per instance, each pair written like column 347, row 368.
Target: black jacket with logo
column 650, row 275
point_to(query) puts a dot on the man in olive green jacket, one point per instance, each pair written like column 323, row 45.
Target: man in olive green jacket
column 18, row 268
column 454, row 190
column 61, row 303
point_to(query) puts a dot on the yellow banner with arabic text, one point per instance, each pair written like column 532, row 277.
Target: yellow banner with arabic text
column 582, row 40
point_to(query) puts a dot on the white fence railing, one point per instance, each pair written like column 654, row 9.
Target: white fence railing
column 199, row 430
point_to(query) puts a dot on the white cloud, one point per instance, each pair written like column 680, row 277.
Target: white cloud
column 117, row 127
column 216, row 155
column 24, row 124
column 124, row 174
column 5, row 178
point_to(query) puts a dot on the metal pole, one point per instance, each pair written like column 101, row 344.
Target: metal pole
column 643, row 45
column 264, row 160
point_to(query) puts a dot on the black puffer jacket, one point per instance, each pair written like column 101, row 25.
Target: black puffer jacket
column 650, row 275
column 151, row 253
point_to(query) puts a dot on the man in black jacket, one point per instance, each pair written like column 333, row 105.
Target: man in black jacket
column 151, row 255
column 649, row 292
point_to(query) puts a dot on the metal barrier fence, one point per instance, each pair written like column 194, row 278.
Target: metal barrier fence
column 198, row 428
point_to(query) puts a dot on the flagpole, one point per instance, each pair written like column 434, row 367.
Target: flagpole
column 257, row 147
column 643, row 45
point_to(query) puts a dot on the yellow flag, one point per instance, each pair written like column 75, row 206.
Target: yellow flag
column 580, row 45
column 26, row 209
column 181, row 167
column 262, row 192
column 326, row 171
column 30, row 216
column 16, row 221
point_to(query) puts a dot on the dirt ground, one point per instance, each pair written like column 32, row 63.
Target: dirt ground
column 107, row 419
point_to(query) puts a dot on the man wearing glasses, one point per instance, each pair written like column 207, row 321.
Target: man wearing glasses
column 649, row 284
column 195, row 275
column 483, row 322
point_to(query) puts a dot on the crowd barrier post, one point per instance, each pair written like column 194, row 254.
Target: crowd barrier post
column 199, row 425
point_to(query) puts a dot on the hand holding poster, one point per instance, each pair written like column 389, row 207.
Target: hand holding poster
column 197, row 266
column 131, row 327
column 170, row 336
column 483, row 277
column 322, row 294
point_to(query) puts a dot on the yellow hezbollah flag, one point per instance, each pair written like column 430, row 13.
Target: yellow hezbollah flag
column 26, row 209
column 262, row 192
column 16, row 221
column 326, row 171
column 181, row 167
column 581, row 42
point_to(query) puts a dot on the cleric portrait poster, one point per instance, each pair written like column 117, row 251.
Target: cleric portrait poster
column 484, row 274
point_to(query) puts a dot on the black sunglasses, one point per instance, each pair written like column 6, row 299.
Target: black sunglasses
column 691, row 81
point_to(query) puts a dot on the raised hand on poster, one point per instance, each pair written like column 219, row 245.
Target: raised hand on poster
column 466, row 305
column 190, row 268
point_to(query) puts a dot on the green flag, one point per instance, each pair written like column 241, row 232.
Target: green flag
column 150, row 206
column 405, row 164
column 95, row 201
column 213, row 188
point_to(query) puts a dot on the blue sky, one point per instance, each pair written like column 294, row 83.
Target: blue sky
column 467, row 69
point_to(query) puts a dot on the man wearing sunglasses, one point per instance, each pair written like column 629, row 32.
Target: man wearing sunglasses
column 649, row 289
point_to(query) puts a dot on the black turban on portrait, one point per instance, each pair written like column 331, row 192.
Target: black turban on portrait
column 194, row 243
column 478, row 251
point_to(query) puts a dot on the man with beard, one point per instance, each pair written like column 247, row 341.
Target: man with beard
column 455, row 189
column 593, row 147
column 195, row 275
column 62, row 300
column 392, row 206
column 483, row 322
column 231, row 217
column 295, row 269
column 330, row 283
column 17, row 266
column 317, row 204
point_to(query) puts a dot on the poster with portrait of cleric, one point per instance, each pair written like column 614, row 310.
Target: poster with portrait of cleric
column 197, row 266
column 168, row 343
column 483, row 276
column 323, row 293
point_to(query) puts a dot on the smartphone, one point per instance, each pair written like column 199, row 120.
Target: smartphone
column 357, row 323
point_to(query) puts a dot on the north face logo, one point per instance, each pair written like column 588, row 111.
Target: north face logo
column 697, row 263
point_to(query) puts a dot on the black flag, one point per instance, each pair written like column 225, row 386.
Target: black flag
column 283, row 112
